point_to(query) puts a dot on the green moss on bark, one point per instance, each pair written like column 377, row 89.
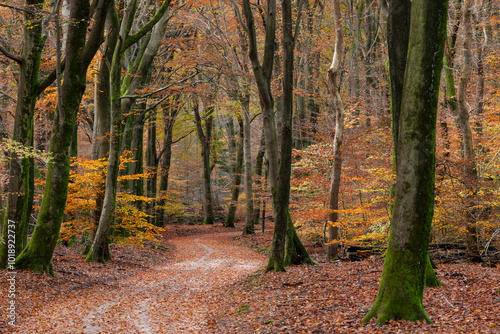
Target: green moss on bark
column 296, row 253
column 401, row 289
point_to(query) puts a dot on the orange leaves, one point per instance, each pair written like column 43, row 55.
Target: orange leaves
column 365, row 186
column 85, row 189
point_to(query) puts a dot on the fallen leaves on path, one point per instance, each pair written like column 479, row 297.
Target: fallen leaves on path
column 197, row 281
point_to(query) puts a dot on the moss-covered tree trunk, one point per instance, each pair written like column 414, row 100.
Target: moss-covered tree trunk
column 102, row 119
column 238, row 169
column 398, row 33
column 38, row 253
column 205, row 137
column 263, row 74
column 19, row 191
column 295, row 252
column 120, row 107
column 407, row 257
column 279, row 158
column 247, row 153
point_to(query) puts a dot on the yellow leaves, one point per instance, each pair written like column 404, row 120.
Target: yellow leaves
column 86, row 187
column 9, row 145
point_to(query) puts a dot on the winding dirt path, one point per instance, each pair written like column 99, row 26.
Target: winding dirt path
column 175, row 298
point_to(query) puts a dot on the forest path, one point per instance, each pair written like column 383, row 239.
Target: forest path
column 175, row 298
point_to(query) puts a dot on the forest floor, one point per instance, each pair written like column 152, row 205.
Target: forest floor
column 207, row 279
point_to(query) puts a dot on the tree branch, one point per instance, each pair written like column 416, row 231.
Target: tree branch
column 10, row 55
column 238, row 15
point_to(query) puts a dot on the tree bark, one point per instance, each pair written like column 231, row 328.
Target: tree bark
column 403, row 277
column 398, row 34
column 279, row 161
column 205, row 137
column 79, row 53
column 333, row 89
column 152, row 165
column 469, row 163
column 457, row 102
column 295, row 252
column 18, row 208
column 169, row 118
column 100, row 251
column 247, row 153
column 238, row 169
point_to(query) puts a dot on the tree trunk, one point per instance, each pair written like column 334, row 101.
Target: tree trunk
column 18, row 208
column 259, row 184
column 247, row 153
column 152, row 165
column 469, row 164
column 169, row 117
column 457, row 102
column 38, row 253
column 100, row 251
column 398, row 34
column 238, row 169
column 333, row 89
column 279, row 161
column 136, row 185
column 407, row 256
column 205, row 137
column 102, row 115
column 295, row 252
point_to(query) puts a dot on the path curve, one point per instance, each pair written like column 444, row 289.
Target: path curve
column 175, row 298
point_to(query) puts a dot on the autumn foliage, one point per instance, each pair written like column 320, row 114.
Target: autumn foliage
column 130, row 225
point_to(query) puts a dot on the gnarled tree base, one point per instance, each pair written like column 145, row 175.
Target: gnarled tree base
column 26, row 260
column 385, row 309
column 248, row 230
column 431, row 279
column 296, row 253
column 101, row 254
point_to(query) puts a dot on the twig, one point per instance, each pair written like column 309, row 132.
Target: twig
column 446, row 300
column 485, row 251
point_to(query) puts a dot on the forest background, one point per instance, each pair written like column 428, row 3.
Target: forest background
column 190, row 103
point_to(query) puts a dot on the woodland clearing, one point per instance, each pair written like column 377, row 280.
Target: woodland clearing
column 207, row 279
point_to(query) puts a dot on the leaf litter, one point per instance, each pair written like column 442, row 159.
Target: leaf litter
column 204, row 279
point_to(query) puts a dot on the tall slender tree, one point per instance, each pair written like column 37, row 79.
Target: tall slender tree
column 286, row 246
column 333, row 75
column 121, row 106
column 205, row 137
column 237, row 170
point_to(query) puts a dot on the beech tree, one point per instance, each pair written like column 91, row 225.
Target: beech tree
column 398, row 32
column 458, row 105
column 286, row 246
column 80, row 49
column 404, row 273
column 332, row 77
column 205, row 137
column 18, row 206
column 122, row 101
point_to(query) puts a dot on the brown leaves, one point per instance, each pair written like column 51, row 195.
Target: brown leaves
column 208, row 289
column 334, row 297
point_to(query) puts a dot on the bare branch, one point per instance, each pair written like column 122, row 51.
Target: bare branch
column 160, row 89
column 10, row 55
column 238, row 15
